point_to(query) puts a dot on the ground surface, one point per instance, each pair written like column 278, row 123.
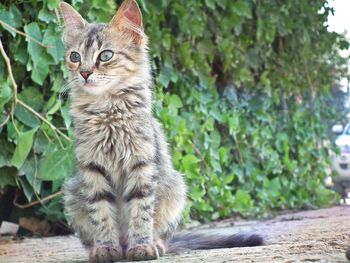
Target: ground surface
column 309, row 236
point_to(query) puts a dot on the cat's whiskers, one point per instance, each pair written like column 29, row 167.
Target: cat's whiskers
column 65, row 89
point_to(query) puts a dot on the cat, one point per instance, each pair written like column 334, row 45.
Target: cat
column 126, row 199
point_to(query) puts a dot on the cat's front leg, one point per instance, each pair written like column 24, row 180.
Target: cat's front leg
column 101, row 203
column 139, row 196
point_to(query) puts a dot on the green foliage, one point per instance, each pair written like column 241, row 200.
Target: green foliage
column 241, row 89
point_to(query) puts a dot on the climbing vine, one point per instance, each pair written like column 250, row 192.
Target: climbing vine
column 241, row 87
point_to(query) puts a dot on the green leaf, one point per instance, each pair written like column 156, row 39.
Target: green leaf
column 57, row 165
column 197, row 192
column 7, row 176
column 5, row 95
column 175, row 101
column 54, row 42
column 74, row 2
column 242, row 8
column 42, row 143
column 6, row 151
column 29, row 170
column 165, row 76
column 13, row 17
column 54, row 108
column 243, row 200
column 24, row 144
column 21, row 54
column 40, row 71
column 34, row 98
column 190, row 163
column 52, row 4
column 210, row 4
column 35, row 51
column 46, row 16
column 229, row 178
column 26, row 117
column 26, row 187
column 66, row 116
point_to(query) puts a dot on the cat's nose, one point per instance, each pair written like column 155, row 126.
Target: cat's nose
column 85, row 74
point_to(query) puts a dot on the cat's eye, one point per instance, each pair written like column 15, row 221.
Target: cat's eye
column 74, row 57
column 105, row 55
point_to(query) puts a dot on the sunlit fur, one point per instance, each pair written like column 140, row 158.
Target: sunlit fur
column 125, row 199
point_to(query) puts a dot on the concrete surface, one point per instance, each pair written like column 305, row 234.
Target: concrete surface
column 309, row 236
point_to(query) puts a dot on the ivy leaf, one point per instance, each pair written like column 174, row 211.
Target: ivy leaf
column 54, row 43
column 66, row 116
column 233, row 124
column 6, row 151
column 56, row 165
column 243, row 200
column 46, row 16
column 21, row 54
column 29, row 169
column 242, row 8
column 26, row 187
column 175, row 101
column 190, row 164
column 26, row 117
column 164, row 76
column 7, row 176
column 24, row 144
column 52, row 4
column 74, row 2
column 13, row 17
column 35, row 51
column 210, row 4
column 5, row 95
column 34, row 98
column 41, row 70
column 197, row 192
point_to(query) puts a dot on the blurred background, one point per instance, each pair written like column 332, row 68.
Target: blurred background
column 253, row 96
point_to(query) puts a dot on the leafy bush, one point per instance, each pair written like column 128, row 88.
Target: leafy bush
column 241, row 89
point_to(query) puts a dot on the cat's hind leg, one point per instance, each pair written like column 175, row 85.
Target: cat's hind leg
column 171, row 201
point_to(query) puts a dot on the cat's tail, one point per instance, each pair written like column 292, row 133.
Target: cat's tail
column 193, row 241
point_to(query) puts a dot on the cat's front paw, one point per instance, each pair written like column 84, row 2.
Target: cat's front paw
column 160, row 247
column 106, row 254
column 142, row 252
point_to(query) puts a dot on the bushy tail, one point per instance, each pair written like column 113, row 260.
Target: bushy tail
column 193, row 241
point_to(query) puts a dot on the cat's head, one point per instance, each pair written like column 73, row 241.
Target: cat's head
column 103, row 57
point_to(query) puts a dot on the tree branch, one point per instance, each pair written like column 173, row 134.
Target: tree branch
column 43, row 119
column 36, row 202
column 4, row 24
column 9, row 69
column 16, row 100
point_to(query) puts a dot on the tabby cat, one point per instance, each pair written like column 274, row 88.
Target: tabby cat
column 125, row 200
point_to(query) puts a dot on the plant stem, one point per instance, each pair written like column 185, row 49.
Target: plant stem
column 15, row 100
column 4, row 24
column 43, row 119
column 47, row 198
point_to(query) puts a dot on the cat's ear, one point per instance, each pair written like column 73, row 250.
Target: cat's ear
column 129, row 19
column 72, row 19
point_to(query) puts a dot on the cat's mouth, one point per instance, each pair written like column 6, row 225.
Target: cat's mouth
column 94, row 84
column 90, row 85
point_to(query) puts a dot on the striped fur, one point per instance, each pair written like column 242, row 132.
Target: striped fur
column 126, row 195
column 126, row 200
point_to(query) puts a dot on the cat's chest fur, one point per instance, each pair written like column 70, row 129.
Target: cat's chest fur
column 109, row 134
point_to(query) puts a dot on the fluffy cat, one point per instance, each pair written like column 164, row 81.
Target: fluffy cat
column 126, row 200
